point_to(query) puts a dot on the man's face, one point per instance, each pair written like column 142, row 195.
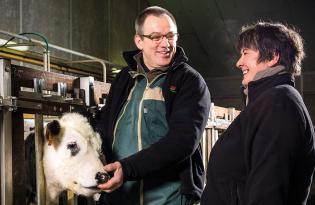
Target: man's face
column 249, row 66
column 157, row 54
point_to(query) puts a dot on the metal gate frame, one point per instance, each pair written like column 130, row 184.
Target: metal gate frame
column 5, row 135
column 12, row 79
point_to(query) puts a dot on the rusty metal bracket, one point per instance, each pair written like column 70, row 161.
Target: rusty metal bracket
column 9, row 102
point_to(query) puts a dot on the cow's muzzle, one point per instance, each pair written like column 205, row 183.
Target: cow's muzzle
column 102, row 177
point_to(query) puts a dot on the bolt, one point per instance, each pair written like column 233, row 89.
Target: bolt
column 7, row 68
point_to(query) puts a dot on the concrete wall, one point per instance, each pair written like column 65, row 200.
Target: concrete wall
column 101, row 28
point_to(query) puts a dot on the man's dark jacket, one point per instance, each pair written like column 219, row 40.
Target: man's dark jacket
column 187, row 102
column 267, row 155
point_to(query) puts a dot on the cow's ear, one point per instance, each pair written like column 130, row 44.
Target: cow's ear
column 52, row 131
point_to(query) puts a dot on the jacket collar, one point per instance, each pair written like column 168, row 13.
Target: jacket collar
column 256, row 88
column 179, row 57
column 276, row 70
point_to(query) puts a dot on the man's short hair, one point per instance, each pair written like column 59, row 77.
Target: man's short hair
column 153, row 10
column 274, row 38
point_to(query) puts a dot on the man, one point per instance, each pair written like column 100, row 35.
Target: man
column 153, row 120
column 267, row 155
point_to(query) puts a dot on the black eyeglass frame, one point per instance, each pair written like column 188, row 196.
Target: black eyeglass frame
column 161, row 36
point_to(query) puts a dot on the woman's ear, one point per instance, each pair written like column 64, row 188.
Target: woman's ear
column 274, row 60
column 138, row 41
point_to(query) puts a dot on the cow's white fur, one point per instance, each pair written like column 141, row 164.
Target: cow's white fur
column 75, row 173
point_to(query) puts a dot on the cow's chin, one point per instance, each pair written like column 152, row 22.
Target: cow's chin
column 84, row 190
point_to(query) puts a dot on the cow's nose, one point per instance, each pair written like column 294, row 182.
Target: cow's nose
column 102, row 177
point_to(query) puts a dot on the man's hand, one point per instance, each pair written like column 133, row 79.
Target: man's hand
column 116, row 181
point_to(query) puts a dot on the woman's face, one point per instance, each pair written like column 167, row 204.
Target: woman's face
column 249, row 66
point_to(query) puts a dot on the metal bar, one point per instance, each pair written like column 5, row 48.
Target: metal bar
column 71, row 198
column 39, row 144
column 205, row 149
column 46, row 61
column 6, row 157
column 209, row 145
column 18, row 45
column 89, row 61
column 19, row 159
column 101, row 61
column 19, row 57
column 6, row 135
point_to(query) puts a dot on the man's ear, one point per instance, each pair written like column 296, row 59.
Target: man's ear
column 274, row 60
column 138, row 41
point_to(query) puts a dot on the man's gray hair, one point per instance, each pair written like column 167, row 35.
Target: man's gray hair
column 153, row 10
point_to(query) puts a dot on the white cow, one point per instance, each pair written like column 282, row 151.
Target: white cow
column 72, row 157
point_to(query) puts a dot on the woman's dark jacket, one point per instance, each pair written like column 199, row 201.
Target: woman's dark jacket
column 187, row 102
column 267, row 155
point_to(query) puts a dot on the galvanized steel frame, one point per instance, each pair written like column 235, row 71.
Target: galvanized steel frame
column 5, row 135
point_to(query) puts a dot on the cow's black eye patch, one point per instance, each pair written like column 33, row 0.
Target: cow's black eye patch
column 74, row 148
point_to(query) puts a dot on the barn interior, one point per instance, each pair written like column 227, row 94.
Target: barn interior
column 51, row 50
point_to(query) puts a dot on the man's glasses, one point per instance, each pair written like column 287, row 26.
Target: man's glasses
column 157, row 37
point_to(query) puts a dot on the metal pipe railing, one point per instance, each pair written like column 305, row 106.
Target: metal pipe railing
column 46, row 53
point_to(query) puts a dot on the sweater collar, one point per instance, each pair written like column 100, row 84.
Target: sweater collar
column 256, row 88
column 276, row 70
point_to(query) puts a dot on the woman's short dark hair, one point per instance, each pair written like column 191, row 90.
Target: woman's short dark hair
column 274, row 38
column 153, row 10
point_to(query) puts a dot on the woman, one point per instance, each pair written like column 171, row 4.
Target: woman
column 267, row 155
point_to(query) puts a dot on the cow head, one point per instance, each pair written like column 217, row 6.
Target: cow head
column 72, row 157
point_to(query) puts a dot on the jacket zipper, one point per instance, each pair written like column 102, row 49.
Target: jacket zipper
column 139, row 126
column 139, row 122
column 140, row 108
column 140, row 137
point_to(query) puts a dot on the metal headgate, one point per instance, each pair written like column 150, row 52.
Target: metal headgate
column 39, row 93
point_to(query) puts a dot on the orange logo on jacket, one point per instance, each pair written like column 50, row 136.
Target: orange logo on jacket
column 173, row 88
